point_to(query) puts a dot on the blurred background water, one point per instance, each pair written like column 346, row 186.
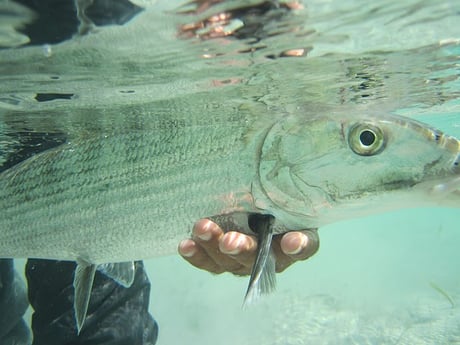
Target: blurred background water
column 377, row 280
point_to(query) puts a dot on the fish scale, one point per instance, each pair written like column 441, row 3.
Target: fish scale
column 87, row 186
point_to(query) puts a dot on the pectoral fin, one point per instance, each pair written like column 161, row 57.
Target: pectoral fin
column 263, row 276
column 121, row 272
column 82, row 283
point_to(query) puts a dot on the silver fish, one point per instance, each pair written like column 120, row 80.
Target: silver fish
column 134, row 194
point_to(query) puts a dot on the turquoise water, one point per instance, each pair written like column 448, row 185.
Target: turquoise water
column 374, row 279
column 368, row 284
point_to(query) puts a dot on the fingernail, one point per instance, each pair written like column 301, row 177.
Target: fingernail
column 295, row 246
column 203, row 230
column 232, row 243
column 206, row 234
column 187, row 248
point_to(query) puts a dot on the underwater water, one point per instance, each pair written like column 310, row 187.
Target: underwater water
column 370, row 283
column 384, row 279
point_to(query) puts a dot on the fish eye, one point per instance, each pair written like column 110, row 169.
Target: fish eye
column 366, row 139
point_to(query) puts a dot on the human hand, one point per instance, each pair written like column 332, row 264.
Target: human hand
column 213, row 250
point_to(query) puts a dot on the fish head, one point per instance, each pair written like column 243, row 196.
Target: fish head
column 325, row 169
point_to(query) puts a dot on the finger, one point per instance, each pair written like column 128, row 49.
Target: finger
column 241, row 248
column 300, row 245
column 208, row 235
column 205, row 239
column 295, row 246
column 196, row 256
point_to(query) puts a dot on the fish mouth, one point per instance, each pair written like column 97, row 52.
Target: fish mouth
column 447, row 188
column 450, row 188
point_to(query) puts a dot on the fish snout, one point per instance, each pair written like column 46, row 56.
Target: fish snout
column 449, row 188
column 453, row 145
column 456, row 165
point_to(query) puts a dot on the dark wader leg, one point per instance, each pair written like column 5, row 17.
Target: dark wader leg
column 13, row 304
column 116, row 315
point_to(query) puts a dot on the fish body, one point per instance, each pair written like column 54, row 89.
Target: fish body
column 124, row 196
column 129, row 196
column 119, row 197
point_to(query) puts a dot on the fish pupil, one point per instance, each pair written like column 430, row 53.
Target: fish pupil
column 367, row 137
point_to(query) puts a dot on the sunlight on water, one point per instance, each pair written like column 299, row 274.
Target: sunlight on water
column 386, row 279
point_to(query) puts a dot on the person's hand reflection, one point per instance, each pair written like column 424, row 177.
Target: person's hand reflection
column 210, row 249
